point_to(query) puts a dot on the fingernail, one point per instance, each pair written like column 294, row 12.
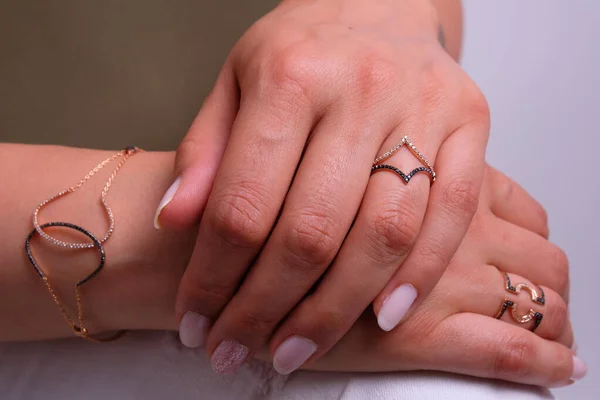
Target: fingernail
column 579, row 369
column 166, row 200
column 292, row 353
column 396, row 306
column 192, row 329
column 229, row 356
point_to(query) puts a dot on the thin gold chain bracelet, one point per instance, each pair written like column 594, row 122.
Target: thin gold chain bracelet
column 125, row 154
column 79, row 327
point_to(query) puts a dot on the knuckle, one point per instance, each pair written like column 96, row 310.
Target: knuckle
column 557, row 312
column 211, row 296
column 392, row 230
column 255, row 322
column 375, row 74
column 513, row 358
column 461, row 196
column 240, row 216
column 505, row 187
column 475, row 105
column 293, row 71
column 311, row 240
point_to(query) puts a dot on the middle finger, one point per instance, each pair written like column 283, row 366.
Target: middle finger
column 317, row 214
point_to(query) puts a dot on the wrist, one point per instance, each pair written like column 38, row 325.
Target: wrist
column 416, row 17
column 145, row 264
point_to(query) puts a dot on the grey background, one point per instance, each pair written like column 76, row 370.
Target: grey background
column 538, row 64
column 91, row 73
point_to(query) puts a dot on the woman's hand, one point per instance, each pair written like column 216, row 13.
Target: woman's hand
column 454, row 330
column 308, row 98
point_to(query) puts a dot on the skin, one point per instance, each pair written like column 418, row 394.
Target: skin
column 453, row 330
column 276, row 169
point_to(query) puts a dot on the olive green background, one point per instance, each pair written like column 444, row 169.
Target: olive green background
column 106, row 74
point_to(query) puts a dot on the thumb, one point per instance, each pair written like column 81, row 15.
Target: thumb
column 199, row 156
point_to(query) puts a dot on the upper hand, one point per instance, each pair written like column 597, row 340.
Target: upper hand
column 307, row 99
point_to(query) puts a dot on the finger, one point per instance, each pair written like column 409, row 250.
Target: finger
column 567, row 337
column 382, row 235
column 487, row 292
column 477, row 345
column 199, row 156
column 265, row 147
column 510, row 202
column 318, row 212
column 520, row 251
column 452, row 202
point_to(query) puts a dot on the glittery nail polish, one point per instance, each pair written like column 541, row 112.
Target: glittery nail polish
column 229, row 356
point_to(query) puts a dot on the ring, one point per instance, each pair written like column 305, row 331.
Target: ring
column 428, row 168
column 531, row 315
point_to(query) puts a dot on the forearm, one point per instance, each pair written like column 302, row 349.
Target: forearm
column 137, row 287
column 446, row 14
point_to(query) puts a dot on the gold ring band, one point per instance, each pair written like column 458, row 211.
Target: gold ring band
column 531, row 315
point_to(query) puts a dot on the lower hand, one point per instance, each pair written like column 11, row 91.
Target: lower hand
column 454, row 330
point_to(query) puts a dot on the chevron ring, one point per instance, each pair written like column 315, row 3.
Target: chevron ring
column 427, row 168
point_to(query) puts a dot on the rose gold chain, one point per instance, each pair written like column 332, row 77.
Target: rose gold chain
column 125, row 154
column 79, row 326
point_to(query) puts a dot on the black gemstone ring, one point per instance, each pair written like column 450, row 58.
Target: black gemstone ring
column 96, row 242
column 405, row 178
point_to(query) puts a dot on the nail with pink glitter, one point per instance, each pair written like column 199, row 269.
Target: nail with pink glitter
column 229, row 357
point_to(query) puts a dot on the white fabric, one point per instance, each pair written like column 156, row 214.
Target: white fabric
column 154, row 366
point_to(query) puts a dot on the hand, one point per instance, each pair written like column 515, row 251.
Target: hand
column 454, row 330
column 307, row 99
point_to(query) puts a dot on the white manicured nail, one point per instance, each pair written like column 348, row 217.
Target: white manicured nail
column 193, row 329
column 396, row 306
column 579, row 369
column 292, row 353
column 166, row 200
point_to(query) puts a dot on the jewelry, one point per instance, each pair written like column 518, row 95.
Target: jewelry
column 125, row 153
column 531, row 314
column 377, row 166
column 78, row 328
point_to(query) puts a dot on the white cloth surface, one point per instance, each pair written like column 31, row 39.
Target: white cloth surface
column 155, row 366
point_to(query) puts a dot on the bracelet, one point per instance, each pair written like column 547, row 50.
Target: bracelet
column 125, row 153
column 78, row 327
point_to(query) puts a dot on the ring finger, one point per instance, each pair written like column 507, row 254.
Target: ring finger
column 385, row 228
column 516, row 300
